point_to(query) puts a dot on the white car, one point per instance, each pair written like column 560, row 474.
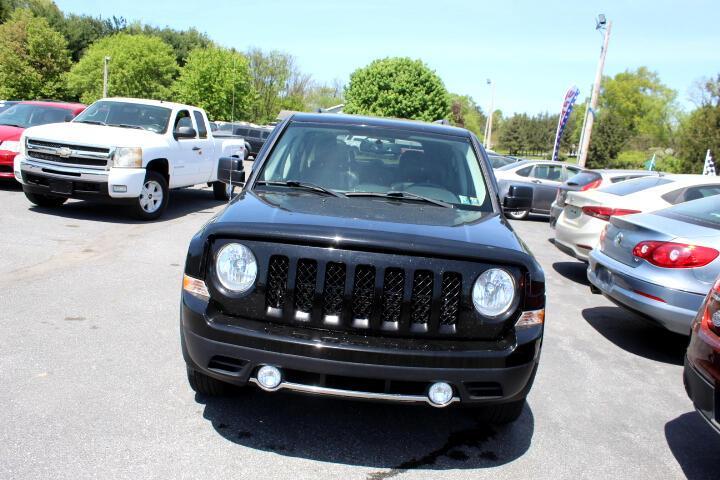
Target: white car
column 587, row 213
column 123, row 150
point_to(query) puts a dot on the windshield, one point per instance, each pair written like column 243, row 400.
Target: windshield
column 635, row 185
column 704, row 212
column 379, row 160
column 27, row 115
column 126, row 114
column 498, row 161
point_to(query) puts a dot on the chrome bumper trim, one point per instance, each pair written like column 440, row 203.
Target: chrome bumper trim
column 36, row 167
column 335, row 392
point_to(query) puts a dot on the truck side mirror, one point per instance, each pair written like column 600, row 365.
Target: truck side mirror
column 518, row 198
column 184, row 132
column 231, row 171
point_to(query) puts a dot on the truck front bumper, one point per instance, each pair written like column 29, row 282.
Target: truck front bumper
column 347, row 365
column 84, row 183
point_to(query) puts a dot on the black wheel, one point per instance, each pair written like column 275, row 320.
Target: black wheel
column 205, row 385
column 222, row 191
column 519, row 215
column 153, row 197
column 45, row 200
column 501, row 413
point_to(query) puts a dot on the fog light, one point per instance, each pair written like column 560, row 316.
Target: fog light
column 269, row 377
column 119, row 188
column 440, row 394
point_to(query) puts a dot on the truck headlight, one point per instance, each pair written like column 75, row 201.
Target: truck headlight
column 236, row 267
column 10, row 146
column 128, row 157
column 493, row 292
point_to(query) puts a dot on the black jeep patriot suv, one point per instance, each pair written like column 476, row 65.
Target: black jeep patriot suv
column 386, row 274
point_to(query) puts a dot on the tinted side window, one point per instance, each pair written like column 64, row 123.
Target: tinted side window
column 200, row 122
column 265, row 135
column 524, row 172
column 255, row 133
column 548, row 172
column 701, row 191
column 243, row 132
column 633, row 186
column 570, row 172
column 183, row 119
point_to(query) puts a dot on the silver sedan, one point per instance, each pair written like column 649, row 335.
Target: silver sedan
column 660, row 264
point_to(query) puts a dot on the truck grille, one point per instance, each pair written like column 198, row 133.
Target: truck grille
column 68, row 155
column 350, row 296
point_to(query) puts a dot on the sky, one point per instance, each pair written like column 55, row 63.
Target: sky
column 532, row 50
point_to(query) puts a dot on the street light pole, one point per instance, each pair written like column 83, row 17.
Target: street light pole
column 590, row 119
column 106, row 60
column 489, row 121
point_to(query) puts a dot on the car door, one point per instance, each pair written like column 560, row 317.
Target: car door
column 186, row 149
column 205, row 158
column 546, row 178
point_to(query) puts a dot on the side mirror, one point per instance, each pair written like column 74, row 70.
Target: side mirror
column 519, row 197
column 184, row 132
column 231, row 171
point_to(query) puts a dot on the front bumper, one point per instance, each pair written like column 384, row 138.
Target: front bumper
column 320, row 361
column 703, row 395
column 6, row 163
column 621, row 284
column 77, row 182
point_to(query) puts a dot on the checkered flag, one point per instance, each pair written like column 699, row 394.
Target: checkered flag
column 709, row 168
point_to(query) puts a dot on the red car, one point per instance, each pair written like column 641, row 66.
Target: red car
column 702, row 363
column 28, row 114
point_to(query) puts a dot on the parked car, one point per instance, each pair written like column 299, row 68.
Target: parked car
column 21, row 115
column 586, row 213
column 589, row 180
column 660, row 264
column 255, row 136
column 702, row 361
column 123, row 150
column 498, row 161
column 383, row 278
column 544, row 177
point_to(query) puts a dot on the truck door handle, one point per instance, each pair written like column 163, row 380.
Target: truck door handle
column 196, row 148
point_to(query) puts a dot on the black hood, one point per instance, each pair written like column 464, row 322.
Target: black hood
column 371, row 224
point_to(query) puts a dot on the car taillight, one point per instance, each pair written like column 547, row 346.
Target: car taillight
column 604, row 213
column 675, row 255
column 711, row 310
column 591, row 185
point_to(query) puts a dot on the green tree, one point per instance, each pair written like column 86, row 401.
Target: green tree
column 397, row 87
column 217, row 80
column 33, row 58
column 270, row 73
column 699, row 132
column 140, row 66
column 610, row 135
column 182, row 41
column 81, row 31
column 464, row 112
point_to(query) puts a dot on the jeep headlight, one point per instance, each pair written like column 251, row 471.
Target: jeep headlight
column 10, row 146
column 236, row 267
column 493, row 292
column 128, row 157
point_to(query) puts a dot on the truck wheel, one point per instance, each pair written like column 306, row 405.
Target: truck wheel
column 205, row 385
column 153, row 197
column 45, row 200
column 519, row 215
column 222, row 191
column 502, row 413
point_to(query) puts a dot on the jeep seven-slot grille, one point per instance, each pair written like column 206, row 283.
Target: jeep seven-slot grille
column 354, row 295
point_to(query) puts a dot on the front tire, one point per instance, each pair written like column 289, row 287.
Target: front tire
column 205, row 385
column 222, row 191
column 519, row 215
column 153, row 198
column 45, row 200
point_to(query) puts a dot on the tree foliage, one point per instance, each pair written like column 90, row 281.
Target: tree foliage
column 181, row 41
column 397, row 87
column 609, row 136
column 140, row 66
column 33, row 58
column 270, row 73
column 464, row 112
column 217, row 80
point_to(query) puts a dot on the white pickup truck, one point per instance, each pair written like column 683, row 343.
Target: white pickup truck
column 125, row 150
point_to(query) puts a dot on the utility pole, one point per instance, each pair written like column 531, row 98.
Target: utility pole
column 590, row 119
column 489, row 121
column 582, row 130
column 106, row 60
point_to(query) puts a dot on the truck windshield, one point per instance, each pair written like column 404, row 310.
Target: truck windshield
column 356, row 159
column 25, row 115
column 126, row 114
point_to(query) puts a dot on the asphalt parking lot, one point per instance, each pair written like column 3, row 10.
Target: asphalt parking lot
column 93, row 382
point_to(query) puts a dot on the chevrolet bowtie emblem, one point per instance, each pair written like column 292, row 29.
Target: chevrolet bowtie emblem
column 64, row 152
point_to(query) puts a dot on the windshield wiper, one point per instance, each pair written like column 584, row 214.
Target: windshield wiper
column 125, row 125
column 303, row 185
column 400, row 195
column 92, row 122
column 13, row 125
